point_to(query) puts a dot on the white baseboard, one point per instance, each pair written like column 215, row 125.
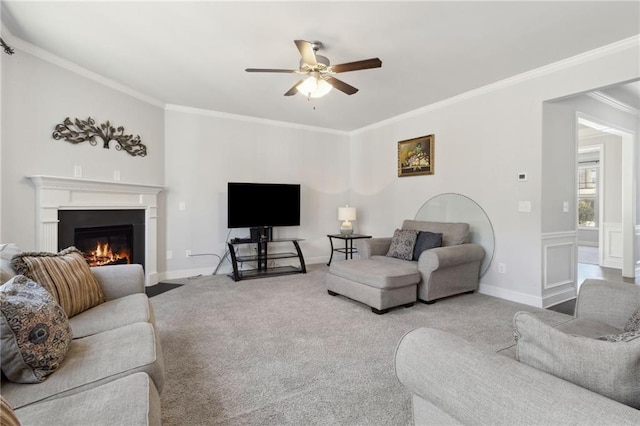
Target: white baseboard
column 223, row 270
column 511, row 295
column 588, row 244
column 560, row 297
column 183, row 273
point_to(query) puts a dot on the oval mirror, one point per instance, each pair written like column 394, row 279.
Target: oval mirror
column 451, row 207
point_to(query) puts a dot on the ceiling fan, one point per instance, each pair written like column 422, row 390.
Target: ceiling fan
column 319, row 72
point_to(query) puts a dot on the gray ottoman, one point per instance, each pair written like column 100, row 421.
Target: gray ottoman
column 380, row 285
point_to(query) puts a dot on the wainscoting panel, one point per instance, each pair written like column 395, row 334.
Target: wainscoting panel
column 559, row 270
column 612, row 245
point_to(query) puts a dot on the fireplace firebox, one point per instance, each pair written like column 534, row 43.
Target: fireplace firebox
column 106, row 237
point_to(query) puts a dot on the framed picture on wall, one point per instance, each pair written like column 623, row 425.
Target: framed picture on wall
column 415, row 156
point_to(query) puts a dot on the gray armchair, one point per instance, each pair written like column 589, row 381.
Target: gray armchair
column 451, row 269
column 454, row 382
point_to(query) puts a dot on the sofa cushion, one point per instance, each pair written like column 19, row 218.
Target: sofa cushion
column 379, row 274
column 453, row 233
column 95, row 360
column 112, row 314
column 425, row 241
column 7, row 415
column 34, row 331
column 609, row 368
column 402, row 244
column 131, row 400
column 66, row 275
column 587, row 328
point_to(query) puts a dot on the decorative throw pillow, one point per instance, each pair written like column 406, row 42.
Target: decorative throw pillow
column 425, row 241
column 7, row 251
column 626, row 336
column 65, row 275
column 402, row 244
column 7, row 416
column 34, row 331
column 634, row 322
column 610, row 369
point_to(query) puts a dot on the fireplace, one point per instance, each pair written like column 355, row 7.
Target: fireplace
column 106, row 237
column 55, row 194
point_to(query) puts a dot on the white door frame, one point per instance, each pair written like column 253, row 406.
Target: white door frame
column 628, row 168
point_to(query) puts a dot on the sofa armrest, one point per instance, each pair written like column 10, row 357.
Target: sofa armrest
column 448, row 256
column 373, row 246
column 475, row 386
column 119, row 280
column 596, row 297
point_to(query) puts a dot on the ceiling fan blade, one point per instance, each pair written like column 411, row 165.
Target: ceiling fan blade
column 357, row 65
column 341, row 85
column 307, row 52
column 268, row 70
column 294, row 89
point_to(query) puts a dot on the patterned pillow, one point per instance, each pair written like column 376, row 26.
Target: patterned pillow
column 65, row 275
column 425, row 241
column 634, row 322
column 7, row 416
column 626, row 336
column 402, row 244
column 34, row 331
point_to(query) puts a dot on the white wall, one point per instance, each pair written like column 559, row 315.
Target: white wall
column 205, row 151
column 37, row 95
column 482, row 141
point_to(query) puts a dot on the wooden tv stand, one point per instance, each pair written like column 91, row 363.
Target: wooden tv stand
column 262, row 258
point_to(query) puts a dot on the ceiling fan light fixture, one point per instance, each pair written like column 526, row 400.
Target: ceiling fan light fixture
column 314, row 87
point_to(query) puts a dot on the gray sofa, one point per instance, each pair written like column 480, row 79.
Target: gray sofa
column 113, row 370
column 453, row 382
column 444, row 271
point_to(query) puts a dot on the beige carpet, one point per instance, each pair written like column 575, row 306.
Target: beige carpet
column 281, row 351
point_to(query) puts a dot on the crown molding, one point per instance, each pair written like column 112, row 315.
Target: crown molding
column 246, row 118
column 40, row 53
column 622, row 45
column 612, row 102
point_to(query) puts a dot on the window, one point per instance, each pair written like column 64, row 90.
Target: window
column 588, row 196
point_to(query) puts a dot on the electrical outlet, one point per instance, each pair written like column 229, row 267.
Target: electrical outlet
column 182, row 206
column 116, row 175
column 502, row 268
column 77, row 171
column 188, row 253
column 169, row 254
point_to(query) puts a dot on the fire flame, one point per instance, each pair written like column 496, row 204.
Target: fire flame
column 103, row 255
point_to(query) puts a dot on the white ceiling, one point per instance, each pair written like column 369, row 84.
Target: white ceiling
column 194, row 53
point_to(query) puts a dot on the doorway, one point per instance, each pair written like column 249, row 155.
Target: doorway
column 605, row 194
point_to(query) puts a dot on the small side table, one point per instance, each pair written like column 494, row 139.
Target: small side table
column 348, row 249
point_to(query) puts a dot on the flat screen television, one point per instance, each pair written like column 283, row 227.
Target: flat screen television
column 256, row 205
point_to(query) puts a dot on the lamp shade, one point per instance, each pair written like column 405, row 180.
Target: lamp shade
column 346, row 213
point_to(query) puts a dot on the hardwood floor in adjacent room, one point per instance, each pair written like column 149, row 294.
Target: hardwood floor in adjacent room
column 588, row 268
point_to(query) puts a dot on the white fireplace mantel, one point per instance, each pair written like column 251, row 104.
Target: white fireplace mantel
column 55, row 193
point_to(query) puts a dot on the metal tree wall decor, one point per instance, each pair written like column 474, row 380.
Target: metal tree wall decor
column 79, row 131
column 7, row 49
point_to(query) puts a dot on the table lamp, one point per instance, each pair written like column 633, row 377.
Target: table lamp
column 346, row 214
